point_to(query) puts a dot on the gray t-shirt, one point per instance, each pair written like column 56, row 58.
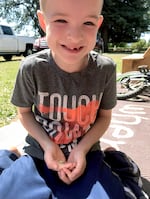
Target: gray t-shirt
column 64, row 104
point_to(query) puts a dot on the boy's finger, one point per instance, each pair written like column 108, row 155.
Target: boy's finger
column 68, row 165
column 72, row 166
column 76, row 172
column 63, row 177
column 67, row 172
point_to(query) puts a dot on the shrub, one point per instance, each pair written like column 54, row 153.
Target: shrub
column 139, row 46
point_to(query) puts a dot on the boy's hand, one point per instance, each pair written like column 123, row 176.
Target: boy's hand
column 74, row 171
column 79, row 158
column 54, row 158
column 65, row 172
column 69, row 170
column 56, row 161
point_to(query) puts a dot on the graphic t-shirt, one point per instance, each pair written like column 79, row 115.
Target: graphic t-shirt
column 64, row 104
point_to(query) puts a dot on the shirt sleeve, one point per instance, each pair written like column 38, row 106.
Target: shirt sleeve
column 109, row 99
column 23, row 93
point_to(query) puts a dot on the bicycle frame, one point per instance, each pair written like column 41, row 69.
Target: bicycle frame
column 133, row 83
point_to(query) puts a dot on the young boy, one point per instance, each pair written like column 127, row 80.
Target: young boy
column 64, row 97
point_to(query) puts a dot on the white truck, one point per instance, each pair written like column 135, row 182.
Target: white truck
column 10, row 44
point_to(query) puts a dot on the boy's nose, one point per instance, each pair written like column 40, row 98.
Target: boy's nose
column 75, row 35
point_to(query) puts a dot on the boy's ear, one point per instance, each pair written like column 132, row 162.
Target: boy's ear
column 100, row 21
column 41, row 20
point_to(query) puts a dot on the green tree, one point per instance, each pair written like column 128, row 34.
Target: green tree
column 21, row 12
column 124, row 20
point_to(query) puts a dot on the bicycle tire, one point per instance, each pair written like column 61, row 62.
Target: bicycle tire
column 130, row 84
column 131, row 94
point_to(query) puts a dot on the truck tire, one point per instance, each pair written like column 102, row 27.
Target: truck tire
column 28, row 50
column 7, row 57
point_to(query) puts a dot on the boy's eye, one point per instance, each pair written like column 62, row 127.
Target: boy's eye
column 61, row 21
column 89, row 23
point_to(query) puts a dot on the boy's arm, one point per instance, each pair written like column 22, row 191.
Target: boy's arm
column 78, row 154
column 52, row 152
column 26, row 117
column 97, row 131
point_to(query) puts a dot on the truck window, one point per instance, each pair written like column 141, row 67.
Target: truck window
column 7, row 30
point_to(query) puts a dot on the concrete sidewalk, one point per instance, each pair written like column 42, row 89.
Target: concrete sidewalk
column 129, row 132
column 12, row 135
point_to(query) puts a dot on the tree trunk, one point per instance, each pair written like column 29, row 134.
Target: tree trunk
column 105, row 36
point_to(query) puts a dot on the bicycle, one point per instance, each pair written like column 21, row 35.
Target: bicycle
column 134, row 83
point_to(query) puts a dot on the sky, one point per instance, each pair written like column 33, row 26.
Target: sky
column 145, row 36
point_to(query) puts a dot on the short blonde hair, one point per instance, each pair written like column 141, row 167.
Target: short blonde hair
column 43, row 3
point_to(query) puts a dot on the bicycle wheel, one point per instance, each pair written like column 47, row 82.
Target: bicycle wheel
column 130, row 85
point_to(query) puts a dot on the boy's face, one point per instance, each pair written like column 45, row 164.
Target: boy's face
column 71, row 27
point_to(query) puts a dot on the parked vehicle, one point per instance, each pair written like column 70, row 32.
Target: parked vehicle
column 11, row 44
column 41, row 44
column 134, row 84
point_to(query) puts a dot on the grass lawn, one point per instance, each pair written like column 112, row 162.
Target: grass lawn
column 117, row 57
column 8, row 71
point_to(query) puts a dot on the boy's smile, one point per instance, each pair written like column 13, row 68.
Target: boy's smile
column 71, row 30
column 73, row 50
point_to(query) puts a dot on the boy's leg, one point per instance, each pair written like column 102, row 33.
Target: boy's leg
column 98, row 181
column 128, row 172
column 20, row 179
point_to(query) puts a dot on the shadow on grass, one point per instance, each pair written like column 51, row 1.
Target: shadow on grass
column 13, row 60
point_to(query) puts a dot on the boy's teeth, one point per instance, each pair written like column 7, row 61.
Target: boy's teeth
column 74, row 48
column 71, row 48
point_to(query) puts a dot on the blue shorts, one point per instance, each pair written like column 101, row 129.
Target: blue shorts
column 108, row 175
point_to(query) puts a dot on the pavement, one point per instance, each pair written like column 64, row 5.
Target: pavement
column 129, row 132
